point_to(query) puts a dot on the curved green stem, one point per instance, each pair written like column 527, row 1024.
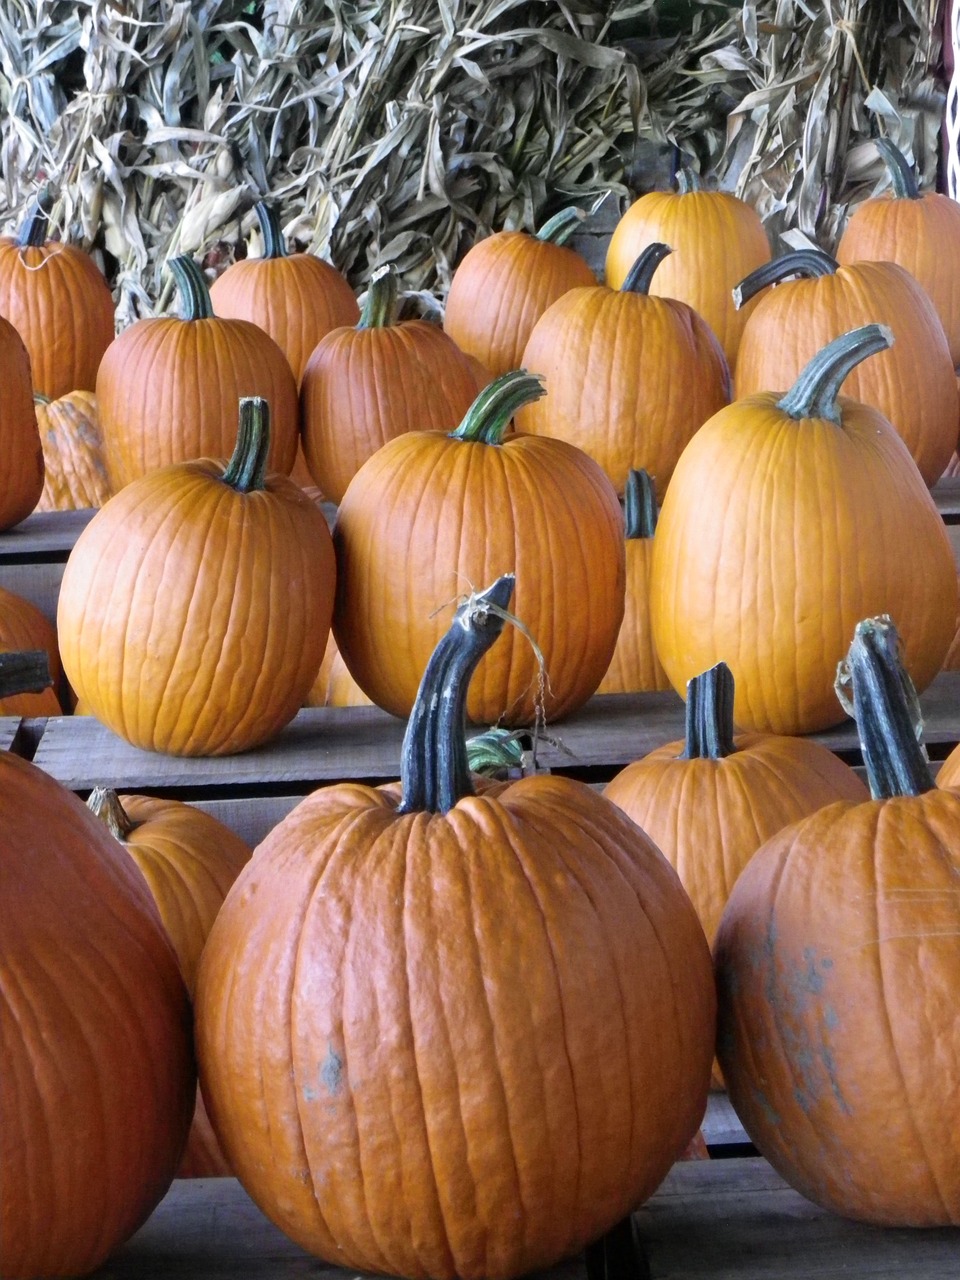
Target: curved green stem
column 380, row 304
column 640, row 275
column 559, row 228
column 33, row 230
column 814, row 394
column 26, row 671
column 901, row 173
column 688, row 180
column 269, row 219
column 709, row 715
column 434, row 769
column 886, row 710
column 191, row 285
column 105, row 803
column 488, row 417
column 247, row 468
column 494, row 752
column 809, row 263
column 639, row 505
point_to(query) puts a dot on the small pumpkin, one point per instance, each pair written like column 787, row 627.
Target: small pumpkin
column 75, row 474
column 334, row 685
column 23, row 626
column 21, row 455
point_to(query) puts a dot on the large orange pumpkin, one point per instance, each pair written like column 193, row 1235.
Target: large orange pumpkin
column 912, row 384
column 21, row 455
column 75, row 474
column 789, row 518
column 629, row 377
column 195, row 606
column 838, row 967
column 55, row 296
column 168, row 387
column 23, row 626
column 454, row 1035
column 430, row 515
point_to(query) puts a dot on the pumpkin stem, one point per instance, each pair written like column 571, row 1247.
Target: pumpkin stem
column 26, row 671
column 814, row 394
column 105, row 803
column 640, row 275
column 488, row 417
column 380, row 304
column 246, row 471
column 494, row 751
column 904, row 179
column 33, row 230
column 809, row 263
column 269, row 219
column 688, row 180
column 434, row 769
column 639, row 505
column 709, row 715
column 886, row 709
column 191, row 285
column 559, row 228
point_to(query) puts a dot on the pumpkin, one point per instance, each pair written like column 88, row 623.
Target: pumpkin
column 75, row 474
column 21, row 456
column 920, row 231
column 168, row 387
column 912, row 384
column 839, row 975
column 629, row 377
column 296, row 297
column 98, row 1076
column 717, row 239
column 445, row 1034
column 365, row 385
column 55, row 296
column 504, row 283
column 23, row 626
column 432, row 514
column 195, row 606
column 334, row 685
column 790, row 517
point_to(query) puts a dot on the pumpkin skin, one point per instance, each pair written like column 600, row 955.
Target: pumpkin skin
column 495, row 1010
column 21, row 456
column 55, row 296
column 431, row 515
column 777, row 534
column 168, row 387
column 168, row 606
column 334, row 685
column 75, row 475
column 296, row 297
column 95, row 1013
column 912, row 384
column 503, row 285
column 630, row 377
column 717, row 239
column 24, row 627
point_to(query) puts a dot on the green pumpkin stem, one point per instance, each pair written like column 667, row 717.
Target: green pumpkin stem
column 33, row 230
column 105, row 803
column 26, row 671
column 195, row 303
column 709, row 715
column 688, row 180
column 563, row 225
column 380, row 304
column 904, row 179
column 246, row 471
column 808, row 263
column 489, row 416
column 269, row 219
column 640, row 275
column 494, row 752
column 886, row 709
column 814, row 394
column 434, row 769
column 639, row 505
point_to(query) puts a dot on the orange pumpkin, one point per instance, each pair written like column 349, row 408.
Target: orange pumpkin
column 195, row 606
column 430, row 515
column 334, row 685
column 425, row 1015
column 912, row 384
column 296, row 297
column 629, row 377
column 75, row 475
column 839, row 978
column 55, row 296
column 168, row 387
column 21, row 456
column 503, row 285
column 789, row 518
column 717, row 239
column 23, row 626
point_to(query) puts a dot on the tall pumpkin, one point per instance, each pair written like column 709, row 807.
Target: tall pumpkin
column 430, row 515
column 195, row 606
column 168, row 387
column 629, row 377
column 55, row 296
column 789, row 518
column 75, row 474
column 454, row 1035
column 838, row 970
column 21, row 454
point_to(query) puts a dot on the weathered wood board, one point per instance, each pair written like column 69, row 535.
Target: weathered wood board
column 9, row 727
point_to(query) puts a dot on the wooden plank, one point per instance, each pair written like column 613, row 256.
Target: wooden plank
column 39, row 583
column 946, row 494
column 251, row 817
column 721, row 1125
column 9, row 726
column 45, row 534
